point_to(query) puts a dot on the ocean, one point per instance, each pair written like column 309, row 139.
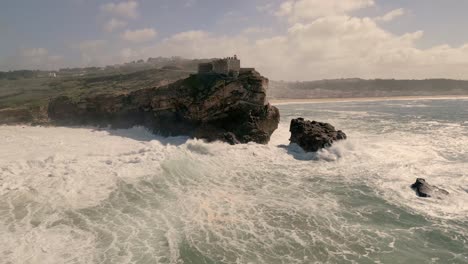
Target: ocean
column 85, row 195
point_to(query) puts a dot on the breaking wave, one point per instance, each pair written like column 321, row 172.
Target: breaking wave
column 80, row 195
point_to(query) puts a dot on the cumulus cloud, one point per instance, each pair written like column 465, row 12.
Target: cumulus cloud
column 327, row 47
column 265, row 8
column 297, row 10
column 322, row 40
column 31, row 58
column 124, row 9
column 257, row 30
column 391, row 15
column 138, row 36
column 114, row 24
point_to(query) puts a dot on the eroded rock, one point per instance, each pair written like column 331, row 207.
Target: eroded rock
column 312, row 135
column 15, row 116
column 206, row 106
column 424, row 189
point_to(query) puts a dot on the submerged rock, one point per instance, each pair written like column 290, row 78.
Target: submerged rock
column 206, row 106
column 312, row 135
column 424, row 189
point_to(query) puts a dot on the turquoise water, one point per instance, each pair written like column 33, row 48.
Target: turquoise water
column 85, row 196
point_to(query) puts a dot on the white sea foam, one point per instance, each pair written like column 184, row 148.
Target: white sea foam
column 80, row 195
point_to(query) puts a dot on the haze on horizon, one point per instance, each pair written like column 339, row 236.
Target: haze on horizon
column 284, row 40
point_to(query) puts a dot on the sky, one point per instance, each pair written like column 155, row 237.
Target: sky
column 284, row 39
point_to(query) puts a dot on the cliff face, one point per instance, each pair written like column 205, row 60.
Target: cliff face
column 14, row 116
column 211, row 107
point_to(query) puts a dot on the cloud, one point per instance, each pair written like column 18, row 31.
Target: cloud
column 32, row 58
column 391, row 15
column 265, row 8
column 257, row 30
column 190, row 3
column 129, row 54
column 298, row 10
column 91, row 45
column 114, row 24
column 337, row 46
column 124, row 9
column 138, row 36
column 92, row 52
column 198, row 44
column 33, row 52
column 328, row 42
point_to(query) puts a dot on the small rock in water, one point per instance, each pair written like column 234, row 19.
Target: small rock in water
column 312, row 135
column 424, row 189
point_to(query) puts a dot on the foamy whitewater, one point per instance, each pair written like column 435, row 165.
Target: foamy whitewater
column 81, row 195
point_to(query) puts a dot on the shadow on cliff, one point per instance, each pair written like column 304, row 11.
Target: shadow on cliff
column 142, row 134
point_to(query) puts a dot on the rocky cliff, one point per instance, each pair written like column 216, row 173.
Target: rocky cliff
column 312, row 135
column 23, row 115
column 207, row 106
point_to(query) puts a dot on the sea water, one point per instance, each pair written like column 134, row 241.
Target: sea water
column 83, row 195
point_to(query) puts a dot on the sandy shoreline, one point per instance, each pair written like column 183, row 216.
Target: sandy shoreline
column 362, row 99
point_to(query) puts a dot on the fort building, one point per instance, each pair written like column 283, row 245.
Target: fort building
column 228, row 66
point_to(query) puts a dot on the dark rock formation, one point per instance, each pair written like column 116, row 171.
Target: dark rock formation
column 313, row 136
column 424, row 189
column 207, row 106
column 230, row 138
column 14, row 116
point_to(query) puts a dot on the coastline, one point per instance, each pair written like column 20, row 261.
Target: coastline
column 363, row 99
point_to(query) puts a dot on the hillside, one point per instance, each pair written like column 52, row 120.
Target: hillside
column 27, row 89
column 34, row 88
column 349, row 88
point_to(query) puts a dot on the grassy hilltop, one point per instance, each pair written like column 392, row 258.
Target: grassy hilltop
column 34, row 88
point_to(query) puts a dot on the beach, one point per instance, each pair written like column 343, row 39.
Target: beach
column 364, row 99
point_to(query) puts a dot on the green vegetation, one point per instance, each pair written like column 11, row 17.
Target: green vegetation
column 35, row 88
column 15, row 75
column 27, row 88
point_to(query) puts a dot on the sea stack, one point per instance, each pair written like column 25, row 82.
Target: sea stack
column 312, row 136
column 221, row 102
column 425, row 190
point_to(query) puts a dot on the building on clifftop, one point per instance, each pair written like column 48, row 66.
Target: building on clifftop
column 227, row 66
